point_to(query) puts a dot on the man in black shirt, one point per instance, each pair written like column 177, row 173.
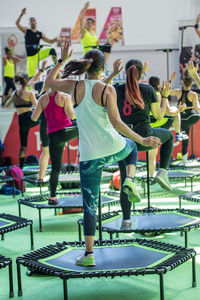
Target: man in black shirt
column 32, row 44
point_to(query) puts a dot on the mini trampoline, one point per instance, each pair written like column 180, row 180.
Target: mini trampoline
column 6, row 179
column 192, row 197
column 154, row 221
column 174, row 175
column 67, row 180
column 4, row 262
column 30, row 170
column 65, row 200
column 10, row 223
column 113, row 258
column 178, row 163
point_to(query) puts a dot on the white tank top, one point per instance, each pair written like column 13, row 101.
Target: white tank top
column 97, row 136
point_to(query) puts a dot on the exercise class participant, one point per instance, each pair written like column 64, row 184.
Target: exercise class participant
column 32, row 44
column 98, row 121
column 23, row 100
column 9, row 72
column 190, row 116
column 172, row 117
column 58, row 111
column 135, row 101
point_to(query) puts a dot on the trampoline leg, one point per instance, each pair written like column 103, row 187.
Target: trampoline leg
column 19, row 209
column 79, row 232
column 191, row 181
column 194, row 283
column 179, row 202
column 31, row 236
column 186, row 239
column 13, row 188
column 40, row 189
column 40, row 220
column 55, row 212
column 161, row 287
column 22, row 187
column 11, row 295
column 148, row 184
column 111, row 236
column 99, row 217
column 2, row 237
column 65, row 289
column 19, row 281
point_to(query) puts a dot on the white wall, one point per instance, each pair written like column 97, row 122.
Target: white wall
column 145, row 21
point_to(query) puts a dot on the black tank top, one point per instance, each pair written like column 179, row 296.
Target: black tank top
column 32, row 40
column 184, row 99
column 19, row 102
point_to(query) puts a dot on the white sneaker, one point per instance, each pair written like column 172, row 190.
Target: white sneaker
column 86, row 260
column 163, row 180
column 126, row 225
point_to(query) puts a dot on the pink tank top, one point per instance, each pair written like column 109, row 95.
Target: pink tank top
column 55, row 116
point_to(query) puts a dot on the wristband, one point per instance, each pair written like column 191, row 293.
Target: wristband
column 196, row 26
column 165, row 97
column 60, row 61
column 41, row 70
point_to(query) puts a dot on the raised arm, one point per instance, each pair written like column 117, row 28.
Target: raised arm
column 49, row 41
column 37, row 112
column 33, row 99
column 82, row 16
column 195, row 101
column 117, row 68
column 158, row 110
column 22, row 28
column 196, row 26
column 193, row 72
column 10, row 100
column 120, row 126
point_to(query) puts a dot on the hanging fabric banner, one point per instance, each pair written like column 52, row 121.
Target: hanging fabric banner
column 113, row 30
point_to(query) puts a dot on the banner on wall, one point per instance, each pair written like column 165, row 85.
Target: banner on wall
column 113, row 30
column 91, row 12
column 65, row 36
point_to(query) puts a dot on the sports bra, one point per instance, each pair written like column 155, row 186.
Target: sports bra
column 19, row 102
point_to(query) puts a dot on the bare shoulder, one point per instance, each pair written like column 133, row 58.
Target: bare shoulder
column 192, row 95
column 64, row 96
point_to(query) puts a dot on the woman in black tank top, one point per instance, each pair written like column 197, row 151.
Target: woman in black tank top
column 188, row 100
column 23, row 100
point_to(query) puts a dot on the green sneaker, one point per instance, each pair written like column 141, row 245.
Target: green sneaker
column 86, row 260
column 128, row 187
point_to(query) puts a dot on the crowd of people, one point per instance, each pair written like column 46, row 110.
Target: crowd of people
column 113, row 122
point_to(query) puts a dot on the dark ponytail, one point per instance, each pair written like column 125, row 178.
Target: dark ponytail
column 132, row 91
column 22, row 78
column 154, row 82
column 187, row 79
column 92, row 62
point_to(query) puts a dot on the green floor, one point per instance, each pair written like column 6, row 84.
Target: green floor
column 177, row 283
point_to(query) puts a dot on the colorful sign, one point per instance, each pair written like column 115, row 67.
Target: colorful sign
column 91, row 12
column 65, row 36
column 113, row 30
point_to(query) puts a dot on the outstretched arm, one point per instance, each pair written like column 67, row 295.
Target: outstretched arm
column 193, row 72
column 49, row 41
column 197, row 25
column 82, row 16
column 22, row 28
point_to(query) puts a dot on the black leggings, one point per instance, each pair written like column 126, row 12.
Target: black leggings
column 57, row 141
column 166, row 138
column 43, row 130
column 9, row 85
column 25, row 124
column 185, row 126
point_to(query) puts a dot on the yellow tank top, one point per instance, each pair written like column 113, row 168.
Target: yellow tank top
column 9, row 69
column 88, row 41
column 158, row 123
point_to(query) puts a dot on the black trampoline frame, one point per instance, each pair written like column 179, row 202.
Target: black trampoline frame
column 189, row 197
column 185, row 229
column 143, row 179
column 180, row 256
column 19, row 223
column 29, row 201
column 4, row 262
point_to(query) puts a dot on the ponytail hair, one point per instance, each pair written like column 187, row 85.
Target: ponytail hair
column 22, row 78
column 187, row 79
column 154, row 82
column 92, row 62
column 134, row 70
column 7, row 50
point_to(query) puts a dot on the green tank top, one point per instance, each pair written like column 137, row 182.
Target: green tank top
column 158, row 123
column 89, row 41
column 9, row 69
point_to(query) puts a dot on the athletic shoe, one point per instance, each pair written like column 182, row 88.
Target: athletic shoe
column 126, row 225
column 181, row 136
column 86, row 260
column 129, row 188
column 40, row 180
column 152, row 180
column 52, row 201
column 163, row 180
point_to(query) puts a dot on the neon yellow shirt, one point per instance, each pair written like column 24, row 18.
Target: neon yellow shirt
column 88, row 41
column 158, row 123
column 9, row 69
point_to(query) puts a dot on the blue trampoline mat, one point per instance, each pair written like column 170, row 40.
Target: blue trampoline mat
column 5, row 223
column 152, row 221
column 110, row 258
